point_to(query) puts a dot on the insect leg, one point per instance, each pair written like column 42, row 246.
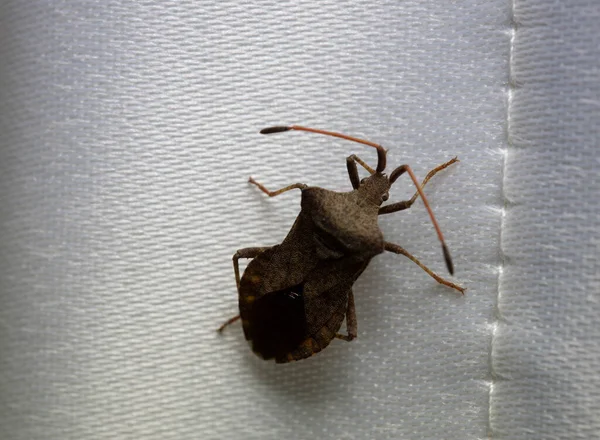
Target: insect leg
column 242, row 253
column 229, row 321
column 351, row 323
column 245, row 253
column 279, row 191
column 399, row 206
column 391, row 247
column 351, row 162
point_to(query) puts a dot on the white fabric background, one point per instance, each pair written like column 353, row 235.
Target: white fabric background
column 546, row 349
column 127, row 134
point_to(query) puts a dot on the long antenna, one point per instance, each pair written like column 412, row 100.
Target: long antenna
column 406, row 168
column 380, row 150
column 381, row 162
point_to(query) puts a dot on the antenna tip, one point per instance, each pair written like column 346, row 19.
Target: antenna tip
column 270, row 130
column 448, row 259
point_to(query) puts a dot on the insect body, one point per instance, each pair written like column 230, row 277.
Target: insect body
column 293, row 297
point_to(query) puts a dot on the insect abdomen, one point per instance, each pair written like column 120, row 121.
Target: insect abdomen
column 317, row 342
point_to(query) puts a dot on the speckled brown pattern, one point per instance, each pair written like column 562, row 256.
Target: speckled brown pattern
column 293, row 297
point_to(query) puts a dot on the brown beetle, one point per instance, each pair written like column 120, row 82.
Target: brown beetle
column 293, row 297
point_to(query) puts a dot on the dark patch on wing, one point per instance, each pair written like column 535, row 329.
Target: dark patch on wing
column 277, row 322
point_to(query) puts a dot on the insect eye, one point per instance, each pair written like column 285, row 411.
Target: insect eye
column 385, row 197
column 363, row 180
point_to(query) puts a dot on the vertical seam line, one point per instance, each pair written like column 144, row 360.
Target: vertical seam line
column 497, row 315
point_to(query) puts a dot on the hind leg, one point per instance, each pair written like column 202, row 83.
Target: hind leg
column 351, row 323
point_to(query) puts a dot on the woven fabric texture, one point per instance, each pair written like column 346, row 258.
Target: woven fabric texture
column 128, row 131
column 546, row 346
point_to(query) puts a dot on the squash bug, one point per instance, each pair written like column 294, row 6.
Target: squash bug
column 293, row 296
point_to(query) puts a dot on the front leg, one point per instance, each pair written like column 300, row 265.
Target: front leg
column 399, row 206
column 351, row 162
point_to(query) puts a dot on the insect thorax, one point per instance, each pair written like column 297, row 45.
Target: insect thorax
column 342, row 224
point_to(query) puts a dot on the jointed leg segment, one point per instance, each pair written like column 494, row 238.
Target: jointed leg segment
column 351, row 162
column 242, row 253
column 391, row 247
column 251, row 252
column 229, row 321
column 399, row 206
column 279, row 191
column 351, row 323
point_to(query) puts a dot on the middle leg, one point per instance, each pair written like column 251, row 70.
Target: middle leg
column 279, row 191
column 391, row 247
column 242, row 253
column 252, row 252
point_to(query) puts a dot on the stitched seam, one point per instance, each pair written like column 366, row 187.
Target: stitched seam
column 497, row 315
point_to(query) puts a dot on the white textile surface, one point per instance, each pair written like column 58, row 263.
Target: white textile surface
column 128, row 131
column 546, row 347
